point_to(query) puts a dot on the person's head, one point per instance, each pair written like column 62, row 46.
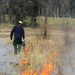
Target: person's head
column 20, row 22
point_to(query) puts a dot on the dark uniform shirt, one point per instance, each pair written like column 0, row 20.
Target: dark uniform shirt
column 18, row 32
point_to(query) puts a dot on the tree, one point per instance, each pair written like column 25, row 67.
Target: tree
column 72, row 8
column 19, row 9
column 3, row 8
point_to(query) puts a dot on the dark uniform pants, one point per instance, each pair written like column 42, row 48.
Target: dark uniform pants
column 17, row 45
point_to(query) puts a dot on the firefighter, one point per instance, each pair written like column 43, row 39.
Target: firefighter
column 18, row 33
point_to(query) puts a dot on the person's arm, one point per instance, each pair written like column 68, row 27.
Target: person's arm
column 23, row 34
column 12, row 32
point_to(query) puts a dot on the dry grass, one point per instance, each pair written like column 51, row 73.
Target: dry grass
column 45, row 51
column 42, row 52
column 55, row 21
column 5, row 27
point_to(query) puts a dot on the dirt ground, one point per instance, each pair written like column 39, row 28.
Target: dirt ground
column 59, row 41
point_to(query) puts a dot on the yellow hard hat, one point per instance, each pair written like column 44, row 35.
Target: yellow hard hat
column 20, row 22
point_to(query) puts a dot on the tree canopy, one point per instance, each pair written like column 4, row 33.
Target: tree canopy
column 19, row 9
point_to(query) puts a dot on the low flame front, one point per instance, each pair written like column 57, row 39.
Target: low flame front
column 46, row 70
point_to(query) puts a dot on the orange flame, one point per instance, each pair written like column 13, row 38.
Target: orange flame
column 27, row 47
column 29, row 73
column 47, row 70
column 24, row 73
column 27, row 50
column 36, row 72
column 24, row 62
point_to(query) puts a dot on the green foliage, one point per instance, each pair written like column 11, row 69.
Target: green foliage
column 27, row 21
column 7, row 19
column 19, row 9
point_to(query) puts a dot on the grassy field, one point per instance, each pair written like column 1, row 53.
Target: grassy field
column 47, row 56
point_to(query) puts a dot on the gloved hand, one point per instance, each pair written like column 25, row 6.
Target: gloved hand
column 23, row 39
column 23, row 42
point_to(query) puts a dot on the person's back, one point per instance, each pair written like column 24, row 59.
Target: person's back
column 18, row 33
